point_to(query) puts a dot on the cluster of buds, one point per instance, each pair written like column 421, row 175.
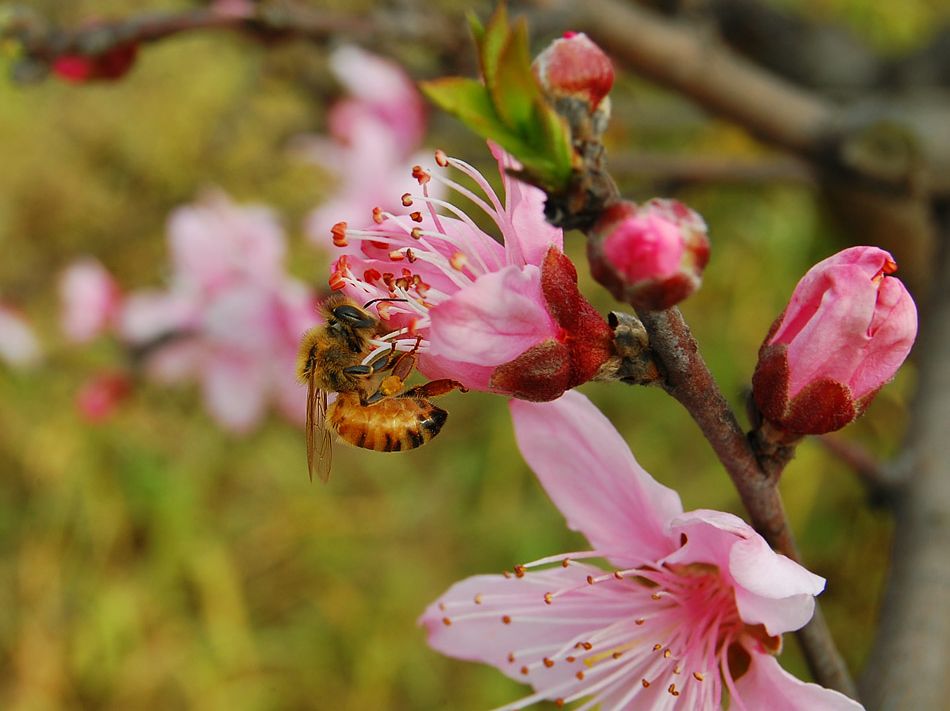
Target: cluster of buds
column 846, row 330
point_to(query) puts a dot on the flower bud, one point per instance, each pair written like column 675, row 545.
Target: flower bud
column 108, row 66
column 651, row 256
column 847, row 328
column 574, row 67
column 99, row 397
column 576, row 76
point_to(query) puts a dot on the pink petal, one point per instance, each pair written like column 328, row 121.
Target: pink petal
column 235, row 389
column 592, row 477
column 150, row 314
column 528, row 235
column 770, row 589
column 767, row 686
column 474, row 377
column 19, row 346
column 215, row 241
column 90, row 300
column 477, row 632
column 494, row 320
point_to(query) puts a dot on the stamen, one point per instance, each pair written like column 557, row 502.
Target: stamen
column 440, row 159
column 406, row 199
column 339, row 234
column 378, row 215
column 421, row 174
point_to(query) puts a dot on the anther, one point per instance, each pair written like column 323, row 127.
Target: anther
column 590, row 579
column 580, row 676
column 646, row 684
column 378, row 215
column 337, row 282
column 446, row 621
column 548, row 662
column 511, row 657
column 505, row 574
column 587, row 645
column 656, row 596
column 506, row 619
column 415, row 216
column 667, row 654
column 559, row 703
column 565, row 562
column 548, row 598
column 657, row 647
column 410, row 255
column 478, row 598
column 421, row 174
column 416, row 233
column 524, row 670
column 699, row 676
column 440, row 159
column 458, row 261
column 639, row 621
column 677, row 669
column 672, row 689
column 396, row 256
column 406, row 199
column 618, row 575
column 570, row 658
column 519, row 571
column 339, row 234
column 617, row 655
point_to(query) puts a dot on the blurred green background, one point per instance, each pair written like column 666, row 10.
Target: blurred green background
column 155, row 562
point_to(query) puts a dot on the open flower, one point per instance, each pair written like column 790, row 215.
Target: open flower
column 846, row 330
column 374, row 132
column 691, row 613
column 231, row 318
column 501, row 316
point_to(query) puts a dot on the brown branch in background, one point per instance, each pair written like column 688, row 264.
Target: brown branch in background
column 881, row 480
column 907, row 668
column 692, row 169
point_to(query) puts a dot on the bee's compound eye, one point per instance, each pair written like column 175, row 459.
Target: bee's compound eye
column 353, row 316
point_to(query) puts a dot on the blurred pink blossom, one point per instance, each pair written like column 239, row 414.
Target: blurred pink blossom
column 231, row 318
column 101, row 395
column 374, row 133
column 506, row 317
column 691, row 614
column 90, row 300
column 846, row 330
column 19, row 346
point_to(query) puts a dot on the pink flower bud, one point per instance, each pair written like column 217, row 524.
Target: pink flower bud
column 108, row 66
column 573, row 67
column 651, row 256
column 845, row 332
column 90, row 300
column 99, row 397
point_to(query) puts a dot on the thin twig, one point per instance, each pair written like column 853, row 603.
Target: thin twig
column 880, row 479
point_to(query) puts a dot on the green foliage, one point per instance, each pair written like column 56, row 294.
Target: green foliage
column 508, row 106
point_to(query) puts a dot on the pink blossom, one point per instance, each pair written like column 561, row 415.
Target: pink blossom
column 19, row 346
column 231, row 318
column 691, row 613
column 846, row 330
column 90, row 300
column 501, row 316
column 651, row 255
column 374, row 133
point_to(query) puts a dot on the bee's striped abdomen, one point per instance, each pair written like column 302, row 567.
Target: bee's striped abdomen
column 391, row 425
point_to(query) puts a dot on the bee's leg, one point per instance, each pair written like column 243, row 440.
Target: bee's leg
column 434, row 388
column 383, row 362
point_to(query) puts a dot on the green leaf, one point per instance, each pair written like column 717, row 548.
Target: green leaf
column 513, row 87
column 492, row 42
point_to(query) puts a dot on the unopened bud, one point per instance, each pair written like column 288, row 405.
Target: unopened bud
column 574, row 67
column 651, row 256
column 847, row 328
column 108, row 66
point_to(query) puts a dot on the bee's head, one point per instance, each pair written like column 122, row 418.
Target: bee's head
column 352, row 316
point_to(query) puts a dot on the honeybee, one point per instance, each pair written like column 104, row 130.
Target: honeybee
column 372, row 409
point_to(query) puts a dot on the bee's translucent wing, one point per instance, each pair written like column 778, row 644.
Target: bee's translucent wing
column 319, row 437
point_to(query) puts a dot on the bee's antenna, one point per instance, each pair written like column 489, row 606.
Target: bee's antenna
column 373, row 301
